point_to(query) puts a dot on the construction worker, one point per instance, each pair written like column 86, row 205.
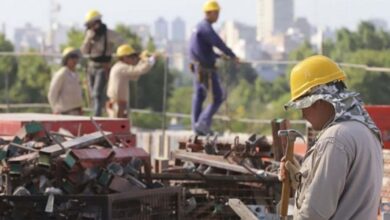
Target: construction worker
column 203, row 57
column 130, row 66
column 65, row 92
column 341, row 175
column 99, row 44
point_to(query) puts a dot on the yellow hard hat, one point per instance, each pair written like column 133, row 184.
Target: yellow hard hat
column 69, row 50
column 92, row 15
column 125, row 50
column 313, row 71
column 211, row 5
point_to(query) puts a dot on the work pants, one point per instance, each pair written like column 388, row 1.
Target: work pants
column 98, row 77
column 205, row 80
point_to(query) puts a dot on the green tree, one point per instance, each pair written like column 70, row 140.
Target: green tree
column 231, row 73
column 150, row 87
column 373, row 86
column 33, row 79
column 369, row 37
column 75, row 38
column 180, row 101
column 302, row 52
column 150, row 46
column 131, row 38
column 8, row 68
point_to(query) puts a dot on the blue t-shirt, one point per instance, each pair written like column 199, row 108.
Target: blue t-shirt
column 202, row 41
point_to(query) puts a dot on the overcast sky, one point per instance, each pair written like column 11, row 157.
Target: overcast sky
column 332, row 13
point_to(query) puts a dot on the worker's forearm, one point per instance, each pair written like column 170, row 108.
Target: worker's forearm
column 141, row 68
column 86, row 47
column 87, row 43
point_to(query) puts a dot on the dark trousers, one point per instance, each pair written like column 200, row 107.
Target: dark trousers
column 202, row 118
column 97, row 83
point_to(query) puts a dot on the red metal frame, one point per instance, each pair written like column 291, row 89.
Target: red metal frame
column 381, row 116
column 11, row 123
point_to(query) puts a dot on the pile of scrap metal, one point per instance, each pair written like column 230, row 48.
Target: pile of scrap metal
column 38, row 162
column 212, row 172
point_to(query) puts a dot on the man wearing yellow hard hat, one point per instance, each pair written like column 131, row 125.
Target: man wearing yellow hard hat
column 203, row 59
column 65, row 92
column 341, row 174
column 130, row 66
column 98, row 45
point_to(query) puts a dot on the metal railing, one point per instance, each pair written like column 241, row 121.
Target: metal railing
column 9, row 107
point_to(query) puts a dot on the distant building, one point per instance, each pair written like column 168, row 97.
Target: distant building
column 29, row 37
column 303, row 26
column 143, row 31
column 161, row 32
column 274, row 17
column 320, row 36
column 178, row 55
column 242, row 39
column 280, row 45
column 178, row 30
column 56, row 37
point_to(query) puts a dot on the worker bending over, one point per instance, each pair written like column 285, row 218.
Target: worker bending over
column 65, row 92
column 203, row 59
column 99, row 43
column 341, row 175
column 130, row 66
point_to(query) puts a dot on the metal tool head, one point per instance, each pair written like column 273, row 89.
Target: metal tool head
column 291, row 134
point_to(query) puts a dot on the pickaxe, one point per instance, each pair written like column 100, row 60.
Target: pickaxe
column 291, row 135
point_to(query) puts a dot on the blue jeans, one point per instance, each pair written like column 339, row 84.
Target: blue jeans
column 97, row 82
column 202, row 118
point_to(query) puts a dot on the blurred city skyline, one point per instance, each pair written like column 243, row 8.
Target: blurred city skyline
column 324, row 13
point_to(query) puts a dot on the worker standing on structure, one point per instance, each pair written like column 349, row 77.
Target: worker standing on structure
column 99, row 44
column 65, row 92
column 203, row 59
column 341, row 175
column 130, row 66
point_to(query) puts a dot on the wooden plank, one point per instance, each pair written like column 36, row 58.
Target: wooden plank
column 217, row 162
column 241, row 210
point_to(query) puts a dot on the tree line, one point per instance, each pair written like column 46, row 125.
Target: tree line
column 249, row 95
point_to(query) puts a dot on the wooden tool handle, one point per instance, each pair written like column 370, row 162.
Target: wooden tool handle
column 286, row 182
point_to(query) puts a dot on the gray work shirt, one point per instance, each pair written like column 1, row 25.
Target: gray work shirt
column 341, row 175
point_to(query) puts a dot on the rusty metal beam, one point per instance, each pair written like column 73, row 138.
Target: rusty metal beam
column 120, row 184
column 88, row 158
column 23, row 147
column 16, row 163
column 123, row 155
column 47, row 153
column 217, row 162
column 213, row 177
